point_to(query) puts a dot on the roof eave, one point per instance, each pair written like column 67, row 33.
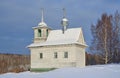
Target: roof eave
column 31, row 46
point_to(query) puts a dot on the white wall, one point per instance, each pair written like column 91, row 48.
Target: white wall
column 75, row 54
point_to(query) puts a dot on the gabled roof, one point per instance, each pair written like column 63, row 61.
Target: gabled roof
column 56, row 37
column 69, row 35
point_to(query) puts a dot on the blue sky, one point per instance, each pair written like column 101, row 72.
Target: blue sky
column 17, row 17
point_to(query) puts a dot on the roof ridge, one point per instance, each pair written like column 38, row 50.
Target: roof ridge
column 68, row 28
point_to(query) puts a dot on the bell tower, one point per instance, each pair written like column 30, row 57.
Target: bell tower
column 42, row 31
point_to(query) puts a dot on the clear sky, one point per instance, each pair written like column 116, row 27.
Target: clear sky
column 17, row 17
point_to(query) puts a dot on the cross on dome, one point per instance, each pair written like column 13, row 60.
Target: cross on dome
column 42, row 23
column 64, row 21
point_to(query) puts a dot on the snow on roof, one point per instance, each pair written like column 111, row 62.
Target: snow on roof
column 57, row 37
column 69, row 35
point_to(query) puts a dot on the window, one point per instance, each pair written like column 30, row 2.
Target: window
column 65, row 54
column 55, row 55
column 41, row 55
column 47, row 32
column 39, row 33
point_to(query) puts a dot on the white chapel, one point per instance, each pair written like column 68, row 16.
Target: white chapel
column 57, row 48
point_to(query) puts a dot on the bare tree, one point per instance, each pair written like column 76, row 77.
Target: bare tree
column 116, row 38
column 106, row 41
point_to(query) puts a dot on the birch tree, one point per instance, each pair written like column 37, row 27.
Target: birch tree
column 106, row 37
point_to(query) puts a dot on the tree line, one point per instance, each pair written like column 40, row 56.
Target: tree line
column 94, row 59
column 14, row 63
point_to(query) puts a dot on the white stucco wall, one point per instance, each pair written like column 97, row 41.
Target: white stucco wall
column 80, row 56
column 76, row 56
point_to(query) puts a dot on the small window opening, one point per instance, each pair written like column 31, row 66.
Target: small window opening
column 65, row 54
column 41, row 55
column 47, row 32
column 39, row 33
column 55, row 55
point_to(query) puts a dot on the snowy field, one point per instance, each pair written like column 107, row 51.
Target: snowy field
column 96, row 71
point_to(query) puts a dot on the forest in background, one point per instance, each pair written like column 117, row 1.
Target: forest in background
column 95, row 59
column 14, row 63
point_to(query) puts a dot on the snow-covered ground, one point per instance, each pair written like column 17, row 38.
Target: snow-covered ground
column 96, row 71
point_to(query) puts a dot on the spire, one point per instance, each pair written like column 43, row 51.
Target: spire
column 42, row 15
column 64, row 21
column 42, row 23
column 64, row 13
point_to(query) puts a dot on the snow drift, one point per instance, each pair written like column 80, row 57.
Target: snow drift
column 96, row 71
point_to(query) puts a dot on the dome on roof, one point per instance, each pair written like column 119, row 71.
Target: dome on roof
column 64, row 19
column 42, row 24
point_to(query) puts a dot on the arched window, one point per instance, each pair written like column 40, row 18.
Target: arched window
column 47, row 32
column 39, row 33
